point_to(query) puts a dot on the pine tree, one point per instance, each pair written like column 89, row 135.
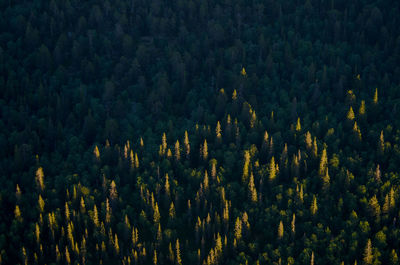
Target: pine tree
column 246, row 166
column 312, row 258
column 172, row 213
column 298, row 125
column 82, row 206
column 377, row 174
column 136, row 161
column 323, row 163
column 394, row 259
column 293, row 224
column 67, row 256
column 243, row 72
column 96, row 153
column 18, row 193
column 205, row 150
column 40, row 178
column 164, row 144
column 374, row 208
column 280, row 230
column 187, row 144
column 350, row 114
column 218, row 131
column 108, row 212
column 381, row 144
column 361, row 110
column 272, row 169
column 326, row 180
column 308, row 140
column 155, row 257
column 213, row 168
column 234, row 95
column 314, row 206
column 66, row 211
column 159, row 234
column 178, row 253
column 253, row 119
column 177, row 151
column 375, row 100
column 156, row 214
column 252, row 189
column 17, row 214
column 315, row 148
column 37, row 233
column 368, row 253
column 41, row 204
column 166, row 185
column 206, row 181
column 95, row 216
column 116, row 244
column 238, row 229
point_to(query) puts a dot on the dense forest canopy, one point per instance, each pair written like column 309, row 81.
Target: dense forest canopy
column 200, row 132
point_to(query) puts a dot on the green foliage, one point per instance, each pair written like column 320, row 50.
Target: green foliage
column 169, row 132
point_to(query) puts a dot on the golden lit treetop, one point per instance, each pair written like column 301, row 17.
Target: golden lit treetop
column 243, row 72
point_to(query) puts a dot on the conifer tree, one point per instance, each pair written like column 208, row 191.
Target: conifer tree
column 234, row 95
column 308, row 140
column 159, row 234
column 67, row 214
column 164, row 144
column 113, row 191
column 368, row 253
column 350, row 114
column 272, row 169
column 280, row 230
column 17, row 214
column 361, row 110
column 374, row 208
column 238, row 229
column 381, row 144
column 156, row 214
column 218, row 131
column 293, row 224
column 252, row 189
column 375, row 100
column 394, row 259
column 37, row 233
column 298, row 125
column 243, row 72
column 41, row 204
column 95, row 216
column 82, row 206
column 205, row 150
column 108, row 212
column 323, row 163
column 155, row 257
column 314, row 206
column 177, row 151
column 187, row 144
column 312, row 258
column 246, row 166
column 315, row 148
column 172, row 213
column 96, row 153
column 326, row 180
column 40, row 178
column 18, row 194
column 178, row 253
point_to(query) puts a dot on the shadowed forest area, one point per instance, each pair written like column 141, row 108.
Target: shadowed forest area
column 200, row 132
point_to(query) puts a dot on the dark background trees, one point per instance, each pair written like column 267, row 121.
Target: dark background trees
column 88, row 90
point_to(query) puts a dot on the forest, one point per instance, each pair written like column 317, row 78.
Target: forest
column 237, row 132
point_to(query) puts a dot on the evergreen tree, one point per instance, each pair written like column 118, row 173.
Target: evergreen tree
column 368, row 257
